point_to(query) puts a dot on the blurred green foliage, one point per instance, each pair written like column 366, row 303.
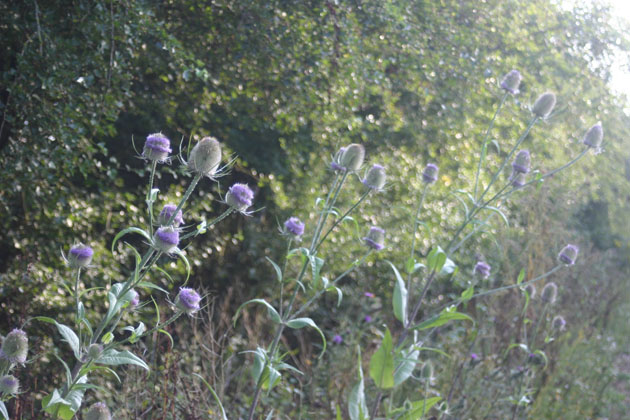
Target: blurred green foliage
column 283, row 84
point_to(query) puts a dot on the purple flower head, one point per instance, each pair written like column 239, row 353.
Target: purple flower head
column 367, row 319
column 482, row 269
column 522, row 162
column 368, row 294
column 239, row 197
column 549, row 293
column 375, row 177
column 375, row 238
column 430, row 173
column 569, row 254
column 294, row 226
column 205, row 157
column 594, row 136
column 518, row 179
column 167, row 213
column 474, row 357
column 9, row 385
column 80, row 256
column 157, row 147
column 188, row 300
column 511, row 82
column 98, row 411
column 544, row 104
column 133, row 297
column 559, row 323
column 14, row 347
column 337, row 339
column 166, row 239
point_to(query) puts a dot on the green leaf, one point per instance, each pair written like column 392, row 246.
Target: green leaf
column 436, row 259
column 467, row 294
column 298, row 323
column 71, row 338
column 125, row 357
column 3, row 411
column 339, row 294
column 316, row 266
column 181, row 255
column 406, row 364
column 214, row 394
column 521, row 276
column 277, row 268
column 500, row 213
column 149, row 285
column 107, row 338
column 420, row 408
column 130, row 230
column 357, row 406
column 399, row 296
column 273, row 314
column 382, row 363
column 441, row 319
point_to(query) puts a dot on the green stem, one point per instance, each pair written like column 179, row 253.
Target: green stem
column 416, row 222
column 340, row 219
column 214, row 222
column 149, row 200
column 284, row 270
column 77, row 301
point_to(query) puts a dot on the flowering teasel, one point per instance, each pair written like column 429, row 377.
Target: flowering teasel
column 335, row 165
column 569, row 254
column 558, row 323
column 511, row 82
column 9, row 385
column 549, row 293
column 80, row 256
column 187, row 300
column 594, row 136
column 482, row 269
column 430, row 173
column 205, row 157
column 352, row 157
column 375, row 177
column 15, row 347
column 375, row 238
column 167, row 214
column 518, row 179
column 239, row 197
column 166, row 239
column 156, row 147
column 522, row 162
column 293, row 226
column 544, row 105
column 98, row 411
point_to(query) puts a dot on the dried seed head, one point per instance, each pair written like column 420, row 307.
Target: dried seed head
column 521, row 162
column 98, row 411
column 375, row 177
column 294, row 226
column 9, row 385
column 375, row 238
column 80, row 256
column 166, row 214
column 594, row 136
column 511, row 82
column 352, row 157
column 15, row 347
column 569, row 254
column 430, row 173
column 156, row 147
column 205, row 157
column 549, row 293
column 544, row 104
column 482, row 269
column 166, row 239
column 187, row 300
column 558, row 323
column 239, row 197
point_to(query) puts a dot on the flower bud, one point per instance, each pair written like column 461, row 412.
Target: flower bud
column 187, row 300
column 166, row 214
column 375, row 177
column 15, row 347
column 549, row 293
column 94, row 351
column 98, row 411
column 375, row 238
column 544, row 104
column 521, row 162
column 518, row 179
column 427, row 371
column 166, row 239
column 594, row 136
column 482, row 269
column 531, row 290
column 511, row 82
column 336, row 162
column 352, row 157
column 135, row 298
column 80, row 256
column 239, row 197
column 558, row 323
column 569, row 254
column 157, row 147
column 294, row 226
column 205, row 157
column 9, row 385
column 430, row 173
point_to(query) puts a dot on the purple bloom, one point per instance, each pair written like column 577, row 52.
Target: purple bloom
column 294, row 226
column 367, row 318
column 80, row 256
column 188, row 300
column 368, row 294
column 430, row 173
column 9, row 385
column 239, row 197
column 522, row 162
column 518, row 179
column 14, row 347
column 482, row 269
column 157, row 147
column 474, row 356
column 134, row 298
column 569, row 254
column 375, row 238
column 544, row 104
column 167, row 213
column 337, row 339
column 166, row 239
column 511, row 82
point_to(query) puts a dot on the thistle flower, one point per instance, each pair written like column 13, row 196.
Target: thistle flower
column 594, row 136
column 430, row 173
column 375, row 177
column 98, row 411
column 352, row 157
column 15, row 347
column 294, row 226
column 569, row 254
column 511, row 82
column 187, row 300
column 166, row 239
column 474, row 357
column 518, row 179
column 80, row 256
column 367, row 319
column 9, row 385
column 335, row 165
column 368, row 294
column 156, row 147
column 482, row 269
column 544, row 105
column 166, row 214
column 521, row 162
column 239, row 197
column 531, row 290
column 375, row 238
column 94, row 351
column 558, row 323
column 205, row 157
column 549, row 293
column 337, row 339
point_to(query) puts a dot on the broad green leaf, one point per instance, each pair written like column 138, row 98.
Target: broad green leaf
column 277, row 268
column 399, row 296
column 71, row 338
column 273, row 314
column 467, row 294
column 3, row 411
column 420, row 408
column 75, row 396
column 298, row 323
column 130, row 230
column 441, row 319
column 357, row 406
column 125, row 357
column 382, row 363
column 406, row 364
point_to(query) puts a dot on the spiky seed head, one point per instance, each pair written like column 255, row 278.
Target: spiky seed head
column 569, row 254
column 15, row 347
column 544, row 105
column 294, row 226
column 549, row 293
column 518, row 179
column 98, row 411
column 166, row 214
column 430, row 173
column 522, row 162
column 187, row 300
column 80, row 256
column 156, row 147
column 558, row 323
column 239, row 197
column 375, row 177
column 594, row 136
column 205, row 157
column 511, row 82
column 375, row 238
column 166, row 239
column 352, row 157
column 9, row 385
